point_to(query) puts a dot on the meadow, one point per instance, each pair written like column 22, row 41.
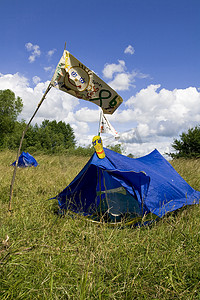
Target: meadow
column 47, row 256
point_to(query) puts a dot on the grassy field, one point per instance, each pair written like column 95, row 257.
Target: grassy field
column 44, row 256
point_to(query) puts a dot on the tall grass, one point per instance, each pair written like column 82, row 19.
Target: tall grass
column 44, row 256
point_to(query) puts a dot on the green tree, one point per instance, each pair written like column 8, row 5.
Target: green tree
column 54, row 137
column 130, row 155
column 188, row 146
column 10, row 108
column 117, row 148
column 12, row 139
column 61, row 134
column 83, row 151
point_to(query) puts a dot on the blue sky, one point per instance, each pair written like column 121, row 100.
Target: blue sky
column 153, row 44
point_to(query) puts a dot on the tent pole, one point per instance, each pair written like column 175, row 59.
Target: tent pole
column 100, row 192
column 106, row 194
column 20, row 145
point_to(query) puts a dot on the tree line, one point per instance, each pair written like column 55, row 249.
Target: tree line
column 58, row 137
column 50, row 137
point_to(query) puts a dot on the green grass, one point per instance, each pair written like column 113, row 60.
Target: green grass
column 51, row 257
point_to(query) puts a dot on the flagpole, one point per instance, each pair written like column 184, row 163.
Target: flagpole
column 100, row 120
column 20, row 145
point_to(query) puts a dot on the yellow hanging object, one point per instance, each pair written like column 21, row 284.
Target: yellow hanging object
column 98, row 146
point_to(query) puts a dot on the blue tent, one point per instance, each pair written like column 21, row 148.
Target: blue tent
column 26, row 160
column 118, row 185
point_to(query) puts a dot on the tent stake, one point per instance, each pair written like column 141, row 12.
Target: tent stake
column 20, row 145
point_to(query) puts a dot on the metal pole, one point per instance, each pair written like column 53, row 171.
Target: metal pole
column 20, row 145
column 100, row 120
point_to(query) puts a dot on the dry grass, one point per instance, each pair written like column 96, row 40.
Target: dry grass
column 189, row 169
column 43, row 256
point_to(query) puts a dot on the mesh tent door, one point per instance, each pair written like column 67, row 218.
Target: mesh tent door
column 114, row 200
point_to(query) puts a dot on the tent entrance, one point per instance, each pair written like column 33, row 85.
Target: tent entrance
column 113, row 200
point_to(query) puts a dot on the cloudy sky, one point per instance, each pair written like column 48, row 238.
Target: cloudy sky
column 147, row 50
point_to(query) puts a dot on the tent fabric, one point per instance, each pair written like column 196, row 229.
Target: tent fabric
column 26, row 160
column 148, row 184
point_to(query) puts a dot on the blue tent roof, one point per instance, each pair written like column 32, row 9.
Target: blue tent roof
column 26, row 160
column 151, row 181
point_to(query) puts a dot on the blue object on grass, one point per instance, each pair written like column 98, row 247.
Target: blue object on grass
column 26, row 160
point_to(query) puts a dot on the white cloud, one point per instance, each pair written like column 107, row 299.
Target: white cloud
column 130, row 136
column 36, row 79
column 123, row 81
column 35, row 51
column 51, row 52
column 56, row 106
column 29, row 46
column 16, row 82
column 110, row 69
column 120, row 78
column 48, row 69
column 160, row 115
column 81, row 129
column 87, row 115
column 166, row 112
column 129, row 50
column 138, row 150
